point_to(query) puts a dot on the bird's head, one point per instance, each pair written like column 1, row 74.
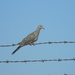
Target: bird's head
column 40, row 27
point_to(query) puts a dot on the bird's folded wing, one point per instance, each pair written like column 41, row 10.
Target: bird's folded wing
column 30, row 38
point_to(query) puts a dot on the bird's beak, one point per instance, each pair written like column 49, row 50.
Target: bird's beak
column 43, row 28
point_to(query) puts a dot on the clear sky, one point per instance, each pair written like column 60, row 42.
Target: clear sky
column 18, row 18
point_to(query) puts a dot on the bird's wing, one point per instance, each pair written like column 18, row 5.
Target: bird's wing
column 29, row 39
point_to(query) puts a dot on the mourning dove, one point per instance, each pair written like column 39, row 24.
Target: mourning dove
column 30, row 39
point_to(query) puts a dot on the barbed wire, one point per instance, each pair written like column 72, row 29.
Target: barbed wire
column 38, row 43
column 68, row 74
column 25, row 61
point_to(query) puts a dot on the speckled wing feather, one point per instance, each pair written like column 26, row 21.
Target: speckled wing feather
column 29, row 39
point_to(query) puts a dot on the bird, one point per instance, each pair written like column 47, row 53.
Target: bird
column 30, row 39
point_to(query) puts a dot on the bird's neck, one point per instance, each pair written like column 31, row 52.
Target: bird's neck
column 38, row 30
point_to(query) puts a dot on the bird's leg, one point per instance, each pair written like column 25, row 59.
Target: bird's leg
column 32, row 44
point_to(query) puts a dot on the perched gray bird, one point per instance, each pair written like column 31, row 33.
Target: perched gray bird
column 30, row 39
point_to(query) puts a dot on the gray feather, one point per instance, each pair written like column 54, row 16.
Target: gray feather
column 30, row 38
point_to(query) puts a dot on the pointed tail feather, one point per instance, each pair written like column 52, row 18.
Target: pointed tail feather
column 16, row 49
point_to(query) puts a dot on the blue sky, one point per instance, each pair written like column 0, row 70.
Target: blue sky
column 18, row 18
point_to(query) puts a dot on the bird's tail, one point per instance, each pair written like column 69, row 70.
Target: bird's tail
column 16, row 49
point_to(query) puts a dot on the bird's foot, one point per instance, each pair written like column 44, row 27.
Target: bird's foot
column 32, row 44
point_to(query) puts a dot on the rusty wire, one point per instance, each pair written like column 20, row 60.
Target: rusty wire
column 68, row 74
column 25, row 61
column 38, row 43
